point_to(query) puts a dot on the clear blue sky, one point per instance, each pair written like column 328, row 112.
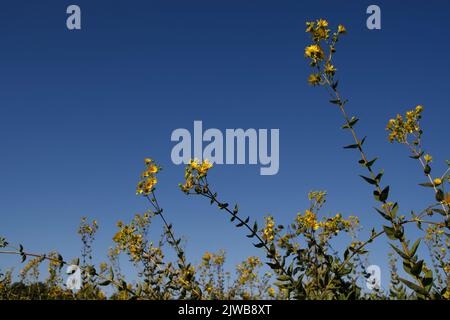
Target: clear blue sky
column 80, row 110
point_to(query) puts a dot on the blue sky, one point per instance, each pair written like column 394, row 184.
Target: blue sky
column 79, row 110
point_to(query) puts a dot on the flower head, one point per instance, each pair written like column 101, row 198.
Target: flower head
column 148, row 178
column 341, row 29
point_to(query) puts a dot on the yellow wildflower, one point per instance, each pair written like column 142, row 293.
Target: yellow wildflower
column 321, row 23
column 310, row 26
column 194, row 163
column 314, row 52
column 268, row 231
column 153, row 169
column 341, row 29
column 314, row 79
column 330, row 69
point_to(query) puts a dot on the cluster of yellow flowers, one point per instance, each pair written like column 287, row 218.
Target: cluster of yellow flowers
column 318, row 29
column 193, row 173
column 86, row 228
column 32, row 266
column 320, row 35
column 315, row 52
column 186, row 274
column 213, row 258
column 400, row 127
column 434, row 229
column 53, row 265
column 307, row 221
column 148, row 178
column 331, row 225
column 247, row 270
column 335, row 224
column 129, row 239
column 268, row 233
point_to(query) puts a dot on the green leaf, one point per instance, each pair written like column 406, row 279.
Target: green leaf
column 255, row 227
column 335, row 85
column 417, row 156
column 427, row 184
column 351, row 146
column 394, row 209
column 223, row 205
column 362, row 141
column 350, row 123
column 335, row 101
column 383, row 214
column 427, row 169
column 105, row 283
column 346, row 252
column 283, row 277
column 417, row 268
column 371, row 162
column 400, row 252
column 379, row 176
column 282, row 285
column 258, row 245
column 273, row 266
column 384, row 194
column 414, row 247
column 390, row 232
column 376, row 195
column 439, row 195
column 428, row 280
column 440, row 211
column 414, row 286
column 369, row 180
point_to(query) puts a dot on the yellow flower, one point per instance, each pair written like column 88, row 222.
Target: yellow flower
column 146, row 185
column 330, row 69
column 314, row 79
column 437, row 182
column 204, row 167
column 428, row 158
column 321, row 23
column 341, row 29
column 419, row 108
column 207, row 257
column 268, row 232
column 153, row 169
column 310, row 26
column 314, row 52
column 271, row 292
column 194, row 164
